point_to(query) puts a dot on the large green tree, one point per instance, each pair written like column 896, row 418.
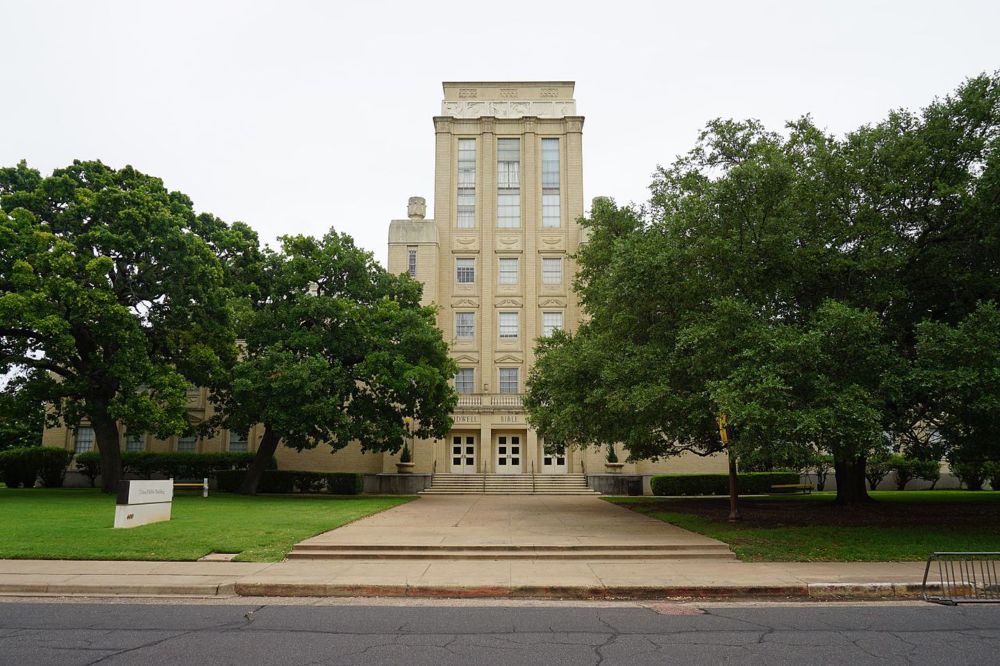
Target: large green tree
column 109, row 288
column 755, row 248
column 22, row 415
column 958, row 368
column 335, row 350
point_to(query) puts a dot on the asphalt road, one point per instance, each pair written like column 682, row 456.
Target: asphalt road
column 150, row 633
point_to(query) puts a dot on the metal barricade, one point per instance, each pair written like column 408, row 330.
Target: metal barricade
column 963, row 578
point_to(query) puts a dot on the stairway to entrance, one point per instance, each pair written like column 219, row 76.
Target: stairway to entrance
column 509, row 484
column 319, row 551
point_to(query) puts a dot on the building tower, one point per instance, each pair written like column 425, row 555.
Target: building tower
column 508, row 190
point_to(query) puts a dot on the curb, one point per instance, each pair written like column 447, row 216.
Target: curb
column 803, row 592
column 815, row 591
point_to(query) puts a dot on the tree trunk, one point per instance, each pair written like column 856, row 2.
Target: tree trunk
column 734, row 493
column 265, row 452
column 850, row 474
column 106, row 436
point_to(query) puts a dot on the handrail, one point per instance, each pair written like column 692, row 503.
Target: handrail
column 532, row 477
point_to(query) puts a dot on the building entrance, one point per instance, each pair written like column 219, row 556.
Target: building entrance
column 509, row 451
column 463, row 454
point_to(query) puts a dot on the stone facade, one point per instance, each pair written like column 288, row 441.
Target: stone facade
column 496, row 259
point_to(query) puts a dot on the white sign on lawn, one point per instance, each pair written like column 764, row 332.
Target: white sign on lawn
column 143, row 502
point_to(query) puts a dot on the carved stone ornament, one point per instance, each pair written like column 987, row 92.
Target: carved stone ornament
column 508, row 303
column 510, row 109
column 464, row 303
column 508, row 358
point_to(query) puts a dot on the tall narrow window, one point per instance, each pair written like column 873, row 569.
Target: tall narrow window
column 550, row 183
column 465, row 325
column 508, row 325
column 466, row 183
column 551, row 270
column 509, row 183
column 465, row 270
column 84, row 440
column 508, row 380
column 411, row 261
column 551, row 321
column 508, row 270
column 186, row 444
column 135, row 442
column 465, row 380
column 238, row 442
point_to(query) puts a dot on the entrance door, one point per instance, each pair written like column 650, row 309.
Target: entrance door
column 554, row 460
column 463, row 454
column 508, row 454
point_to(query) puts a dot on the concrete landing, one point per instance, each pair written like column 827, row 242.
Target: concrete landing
column 510, row 527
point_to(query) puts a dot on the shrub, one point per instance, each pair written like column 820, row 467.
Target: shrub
column 972, row 474
column 89, row 464
column 309, row 482
column 184, row 465
column 823, row 465
column 146, row 464
column 612, row 456
column 52, row 465
column 344, row 483
column 928, row 470
column 905, row 469
column 18, row 469
column 877, row 468
column 22, row 467
column 229, row 480
column 992, row 470
column 277, row 481
column 754, row 483
column 285, row 481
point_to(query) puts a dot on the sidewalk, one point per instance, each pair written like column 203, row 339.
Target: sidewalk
column 575, row 579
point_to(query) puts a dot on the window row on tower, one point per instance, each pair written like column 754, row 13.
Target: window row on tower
column 509, row 380
column 508, row 270
column 508, row 184
column 508, row 325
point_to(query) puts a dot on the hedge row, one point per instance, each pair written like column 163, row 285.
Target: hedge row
column 286, row 481
column 146, row 464
column 753, row 483
column 22, row 467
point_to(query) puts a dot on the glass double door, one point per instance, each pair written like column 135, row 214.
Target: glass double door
column 554, row 460
column 463, row 454
column 509, row 450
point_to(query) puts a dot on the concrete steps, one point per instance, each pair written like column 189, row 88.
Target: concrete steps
column 511, row 552
column 509, row 484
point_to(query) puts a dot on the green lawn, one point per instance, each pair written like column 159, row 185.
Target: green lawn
column 900, row 525
column 76, row 524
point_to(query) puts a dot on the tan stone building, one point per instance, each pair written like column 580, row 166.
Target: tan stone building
column 496, row 259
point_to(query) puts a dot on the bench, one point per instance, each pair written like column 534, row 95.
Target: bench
column 805, row 488
column 203, row 485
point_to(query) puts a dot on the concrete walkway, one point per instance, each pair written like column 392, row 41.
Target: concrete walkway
column 559, row 524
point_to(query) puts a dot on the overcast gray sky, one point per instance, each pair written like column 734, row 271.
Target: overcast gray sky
column 295, row 116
